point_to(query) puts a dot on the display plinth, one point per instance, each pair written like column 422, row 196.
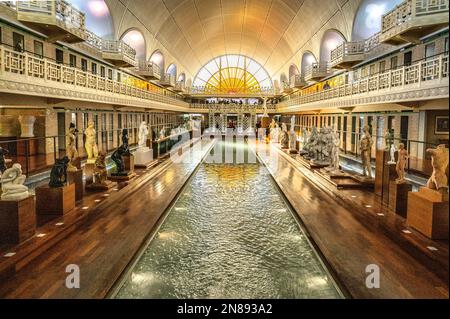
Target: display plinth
column 390, row 174
column 428, row 213
column 76, row 177
column 97, row 187
column 17, row 220
column 398, row 197
column 143, row 157
column 122, row 177
column 89, row 172
column 128, row 162
column 381, row 161
column 55, row 201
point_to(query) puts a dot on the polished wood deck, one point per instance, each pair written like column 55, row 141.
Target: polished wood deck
column 105, row 242
column 351, row 235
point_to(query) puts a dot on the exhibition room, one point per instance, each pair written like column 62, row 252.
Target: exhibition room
column 224, row 149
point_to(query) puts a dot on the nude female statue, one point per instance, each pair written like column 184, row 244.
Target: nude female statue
column 90, row 144
column 71, row 149
column 401, row 163
column 366, row 150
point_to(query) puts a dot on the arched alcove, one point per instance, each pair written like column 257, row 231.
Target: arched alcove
column 307, row 59
column 135, row 39
column 368, row 18
column 331, row 40
column 293, row 70
column 158, row 58
column 172, row 70
column 283, row 80
column 182, row 78
column 98, row 17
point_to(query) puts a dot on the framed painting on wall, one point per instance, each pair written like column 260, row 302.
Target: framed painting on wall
column 441, row 125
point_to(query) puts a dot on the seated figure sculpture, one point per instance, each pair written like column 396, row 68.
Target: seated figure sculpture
column 58, row 174
column 118, row 155
column 100, row 174
column 439, row 162
column 12, row 181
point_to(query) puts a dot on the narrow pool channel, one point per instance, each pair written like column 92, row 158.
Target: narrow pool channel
column 230, row 234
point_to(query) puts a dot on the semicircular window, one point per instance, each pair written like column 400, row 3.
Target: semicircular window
column 232, row 74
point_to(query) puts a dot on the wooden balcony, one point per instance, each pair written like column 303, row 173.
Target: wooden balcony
column 347, row 55
column 297, row 82
column 179, row 87
column 57, row 19
column 148, row 70
column 317, row 71
column 414, row 19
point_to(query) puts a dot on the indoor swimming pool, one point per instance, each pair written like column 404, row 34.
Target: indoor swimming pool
column 230, row 234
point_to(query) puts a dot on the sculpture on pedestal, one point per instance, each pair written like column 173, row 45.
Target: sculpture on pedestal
column 284, row 138
column 100, row 173
column 320, row 147
column 58, row 174
column 335, row 142
column 305, row 142
column 71, row 149
column 366, row 152
column 162, row 133
column 3, row 152
column 389, row 139
column 122, row 151
column 311, row 146
column 392, row 154
column 90, row 143
column 401, row 163
column 12, row 181
column 143, row 134
column 439, row 162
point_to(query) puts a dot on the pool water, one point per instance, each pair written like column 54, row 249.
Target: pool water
column 230, row 234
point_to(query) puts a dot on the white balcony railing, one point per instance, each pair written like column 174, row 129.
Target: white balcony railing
column 59, row 12
column 119, row 47
column 317, row 71
column 148, row 69
column 233, row 107
column 207, row 91
column 27, row 68
column 418, row 74
column 297, row 81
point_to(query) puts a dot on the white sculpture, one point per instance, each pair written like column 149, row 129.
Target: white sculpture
column 143, row 134
column 27, row 125
column 392, row 153
column 90, row 143
column 401, row 163
column 366, row 150
column 162, row 133
column 439, row 161
column 284, row 138
column 335, row 150
column 12, row 184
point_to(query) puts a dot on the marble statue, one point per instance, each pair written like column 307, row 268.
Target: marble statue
column 321, row 147
column 313, row 141
column 284, row 136
column 143, row 134
column 58, row 174
column 90, row 143
column 12, row 181
column 273, row 124
column 122, row 150
column 335, row 142
column 389, row 139
column 3, row 152
column 305, row 141
column 71, row 149
column 401, row 163
column 366, row 143
column 392, row 151
column 100, row 173
column 439, row 162
column 162, row 133
column 292, row 136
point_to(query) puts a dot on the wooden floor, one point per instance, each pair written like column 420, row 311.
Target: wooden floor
column 106, row 241
column 352, row 236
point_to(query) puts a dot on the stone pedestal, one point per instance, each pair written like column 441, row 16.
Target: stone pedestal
column 17, row 220
column 428, row 213
column 143, row 157
column 76, row 178
column 390, row 174
column 398, row 197
column 55, row 201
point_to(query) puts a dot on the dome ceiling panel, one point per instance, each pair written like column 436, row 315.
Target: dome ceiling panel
column 270, row 31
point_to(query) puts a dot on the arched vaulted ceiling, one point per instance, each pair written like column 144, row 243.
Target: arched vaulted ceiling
column 273, row 32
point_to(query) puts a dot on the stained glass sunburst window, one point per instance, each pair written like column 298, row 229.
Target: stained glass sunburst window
column 233, row 74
